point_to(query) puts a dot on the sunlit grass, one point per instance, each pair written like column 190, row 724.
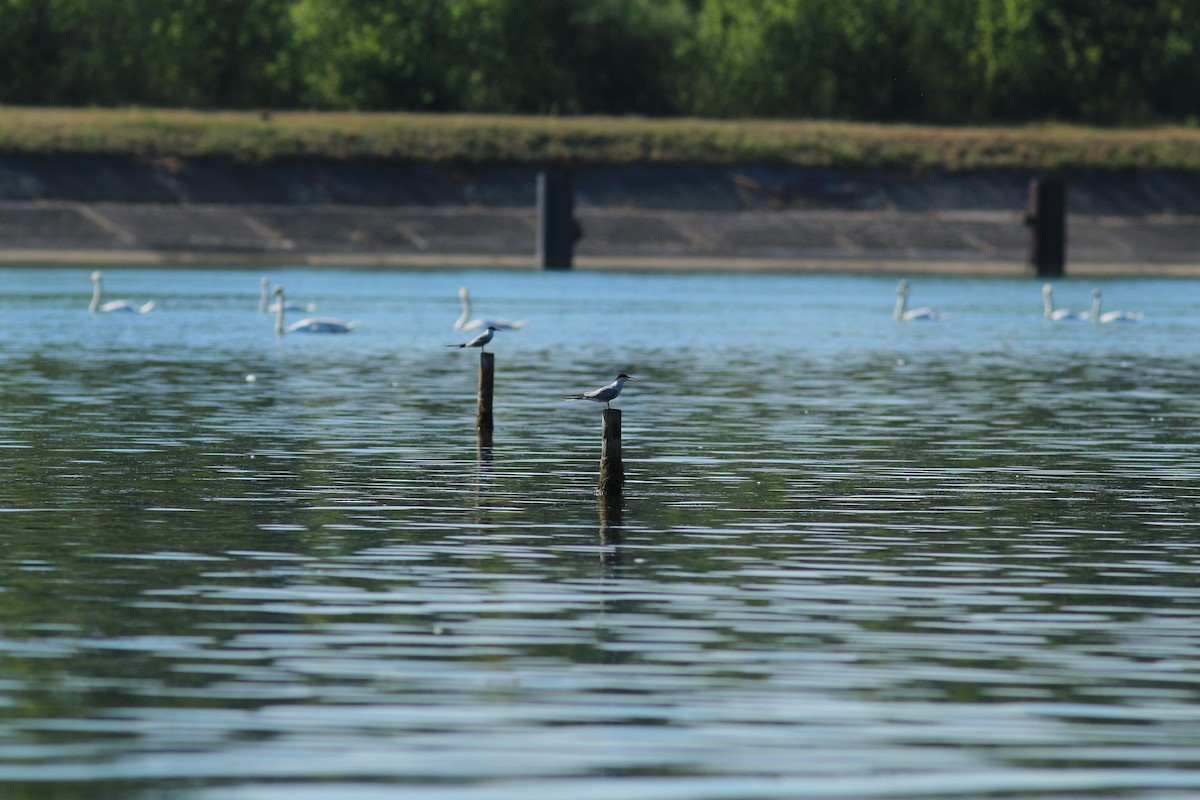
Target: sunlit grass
column 254, row 137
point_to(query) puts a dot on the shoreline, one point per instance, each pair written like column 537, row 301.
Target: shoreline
column 401, row 261
column 401, row 215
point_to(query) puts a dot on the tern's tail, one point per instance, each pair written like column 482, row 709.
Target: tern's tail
column 572, row 397
column 458, row 346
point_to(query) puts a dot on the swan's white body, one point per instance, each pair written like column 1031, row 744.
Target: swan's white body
column 309, row 324
column 1103, row 318
column 479, row 341
column 114, row 306
column 605, row 394
column 465, row 323
column 1058, row 314
column 264, row 307
column 902, row 314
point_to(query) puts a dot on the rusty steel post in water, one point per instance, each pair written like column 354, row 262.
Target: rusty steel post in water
column 1046, row 217
column 557, row 227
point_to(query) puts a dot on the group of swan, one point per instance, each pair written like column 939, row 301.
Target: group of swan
column 903, row 314
column 1095, row 314
column 281, row 306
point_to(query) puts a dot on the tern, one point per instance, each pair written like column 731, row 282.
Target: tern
column 479, row 341
column 292, row 305
column 924, row 313
column 1057, row 314
column 1111, row 316
column 127, row 306
column 465, row 323
column 605, row 394
column 308, row 324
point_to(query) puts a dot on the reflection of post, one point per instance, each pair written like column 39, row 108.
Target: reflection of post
column 1046, row 218
column 612, row 469
column 610, row 520
column 483, row 447
column 610, row 530
column 487, row 371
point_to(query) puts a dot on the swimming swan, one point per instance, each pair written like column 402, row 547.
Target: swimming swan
column 120, row 306
column 1058, row 314
column 465, row 323
column 292, row 305
column 924, row 313
column 309, row 324
column 1111, row 316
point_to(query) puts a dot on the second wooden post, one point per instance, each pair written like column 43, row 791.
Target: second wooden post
column 487, row 371
column 612, row 469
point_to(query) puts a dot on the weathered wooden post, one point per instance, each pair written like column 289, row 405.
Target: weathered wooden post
column 557, row 228
column 612, row 469
column 1046, row 217
column 487, row 371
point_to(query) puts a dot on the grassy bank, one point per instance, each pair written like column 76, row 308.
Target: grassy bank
column 251, row 137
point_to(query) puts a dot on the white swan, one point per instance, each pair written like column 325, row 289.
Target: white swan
column 465, row 323
column 292, row 305
column 1058, row 314
column 309, row 324
column 119, row 306
column 922, row 314
column 1111, row 316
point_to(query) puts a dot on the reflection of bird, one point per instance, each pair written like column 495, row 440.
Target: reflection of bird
column 479, row 341
column 114, row 305
column 292, row 305
column 605, row 394
column 1057, row 314
column 1111, row 316
column 309, row 324
column 924, row 313
column 465, row 323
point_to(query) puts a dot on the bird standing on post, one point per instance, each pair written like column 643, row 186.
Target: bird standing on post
column 479, row 341
column 605, row 394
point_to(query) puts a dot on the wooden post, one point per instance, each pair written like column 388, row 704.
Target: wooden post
column 557, row 229
column 612, row 469
column 1046, row 218
column 487, row 370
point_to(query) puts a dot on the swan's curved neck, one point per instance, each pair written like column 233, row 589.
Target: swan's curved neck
column 466, row 313
column 279, row 315
column 1095, row 308
column 901, row 300
column 95, row 297
column 1047, row 305
column 263, row 298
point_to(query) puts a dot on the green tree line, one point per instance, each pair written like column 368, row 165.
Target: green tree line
column 933, row 61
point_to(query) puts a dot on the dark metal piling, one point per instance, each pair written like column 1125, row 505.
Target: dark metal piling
column 557, row 228
column 1046, row 218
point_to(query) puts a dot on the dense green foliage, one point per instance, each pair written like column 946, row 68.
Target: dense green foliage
column 1099, row 61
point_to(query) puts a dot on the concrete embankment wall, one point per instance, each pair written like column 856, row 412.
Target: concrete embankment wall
column 80, row 209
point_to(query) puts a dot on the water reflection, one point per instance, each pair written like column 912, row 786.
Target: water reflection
column 942, row 561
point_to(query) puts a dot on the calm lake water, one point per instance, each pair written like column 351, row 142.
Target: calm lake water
column 855, row 558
